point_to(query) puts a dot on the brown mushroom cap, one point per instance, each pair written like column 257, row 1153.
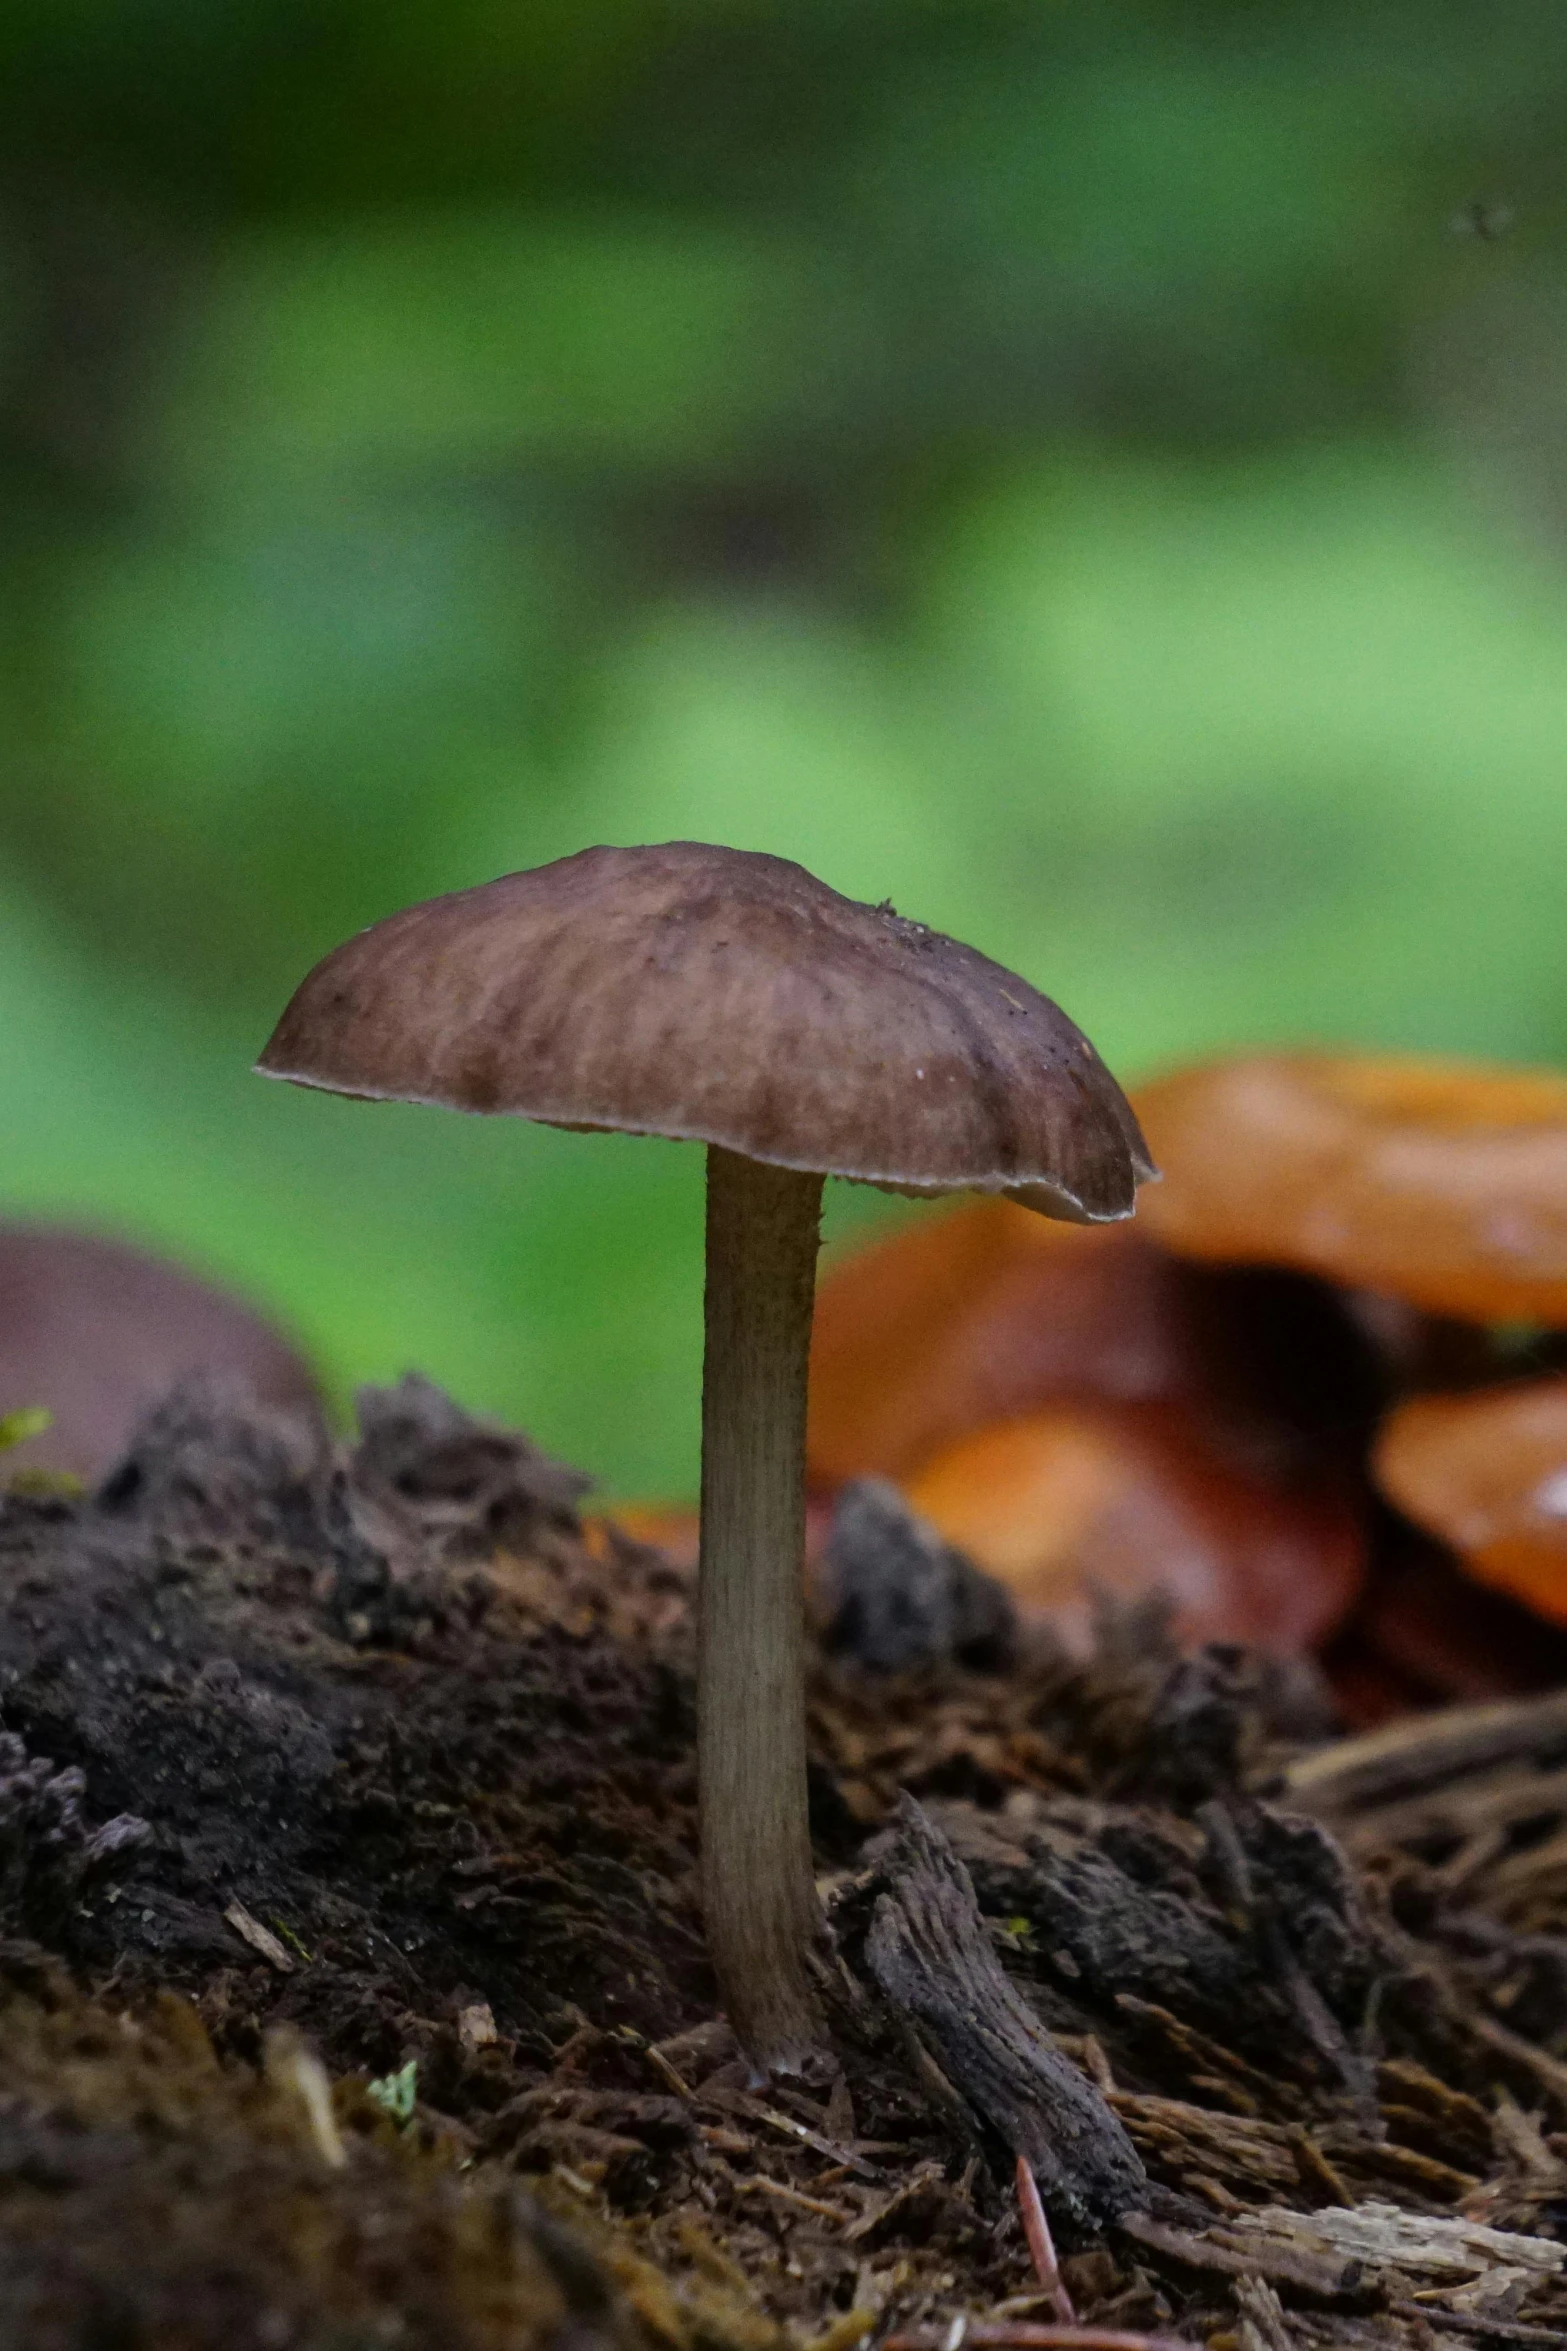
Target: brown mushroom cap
column 97, row 1333
column 1086, row 1497
column 1488, row 1474
column 729, row 998
column 1440, row 1182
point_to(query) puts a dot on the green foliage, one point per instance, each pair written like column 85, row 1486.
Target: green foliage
column 397, row 2094
column 1059, row 469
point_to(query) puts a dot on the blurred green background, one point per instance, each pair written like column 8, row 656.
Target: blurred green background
column 1097, row 476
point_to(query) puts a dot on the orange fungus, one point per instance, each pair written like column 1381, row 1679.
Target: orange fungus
column 1085, row 1497
column 1488, row 1473
column 1443, row 1183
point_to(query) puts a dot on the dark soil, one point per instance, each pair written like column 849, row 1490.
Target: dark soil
column 371, row 1761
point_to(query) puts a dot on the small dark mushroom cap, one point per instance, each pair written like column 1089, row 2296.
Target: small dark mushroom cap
column 98, row 1332
column 721, row 996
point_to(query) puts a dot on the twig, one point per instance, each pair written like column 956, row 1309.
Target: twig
column 1467, row 2322
column 666, row 2072
column 817, row 2141
column 1548, row 2071
column 261, row 1939
column 932, row 1957
column 1328, row 2278
column 1016, row 2335
column 1041, row 2245
column 1424, row 1751
column 760, row 2184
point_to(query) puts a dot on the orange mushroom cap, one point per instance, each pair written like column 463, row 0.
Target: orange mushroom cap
column 1488, row 1474
column 969, row 1317
column 1086, row 1497
column 1440, row 1182
column 986, row 1312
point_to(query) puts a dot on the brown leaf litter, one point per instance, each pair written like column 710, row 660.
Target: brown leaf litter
column 356, row 1994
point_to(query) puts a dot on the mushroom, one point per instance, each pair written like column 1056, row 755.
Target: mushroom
column 972, row 1316
column 97, row 1332
column 1441, row 1183
column 1427, row 1633
column 1488, row 1474
column 984, row 1313
column 1084, row 1498
column 1083, row 1411
column 731, row 999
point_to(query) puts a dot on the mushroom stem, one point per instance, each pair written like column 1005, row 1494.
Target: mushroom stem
column 758, row 1889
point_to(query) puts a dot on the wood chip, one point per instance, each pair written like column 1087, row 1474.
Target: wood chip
column 261, row 1939
column 1207, row 2060
column 1019, row 2336
column 1520, row 2134
column 1176, row 2137
column 931, row 1956
column 1390, row 2165
column 909, row 2191
column 1314, row 2270
column 1317, row 2175
column 1548, row 2071
column 817, row 2141
column 1496, row 2330
column 1416, row 2242
column 760, row 2185
column 1262, row 2312
column 666, row 2073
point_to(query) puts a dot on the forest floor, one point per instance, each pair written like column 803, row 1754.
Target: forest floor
column 353, row 1990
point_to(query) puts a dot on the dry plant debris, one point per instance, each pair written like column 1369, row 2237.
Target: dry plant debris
column 347, row 1849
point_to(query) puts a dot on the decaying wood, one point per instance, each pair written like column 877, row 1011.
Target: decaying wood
column 1267, row 2027
column 1230, row 2081
column 260, row 1938
column 1491, row 2330
column 1549, row 2073
column 1177, row 2139
column 1354, row 1780
column 1421, row 2246
column 1261, row 2314
column 1452, row 2273
column 1311, row 2269
column 929, row 1953
column 1024, row 2337
column 1187, row 2144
